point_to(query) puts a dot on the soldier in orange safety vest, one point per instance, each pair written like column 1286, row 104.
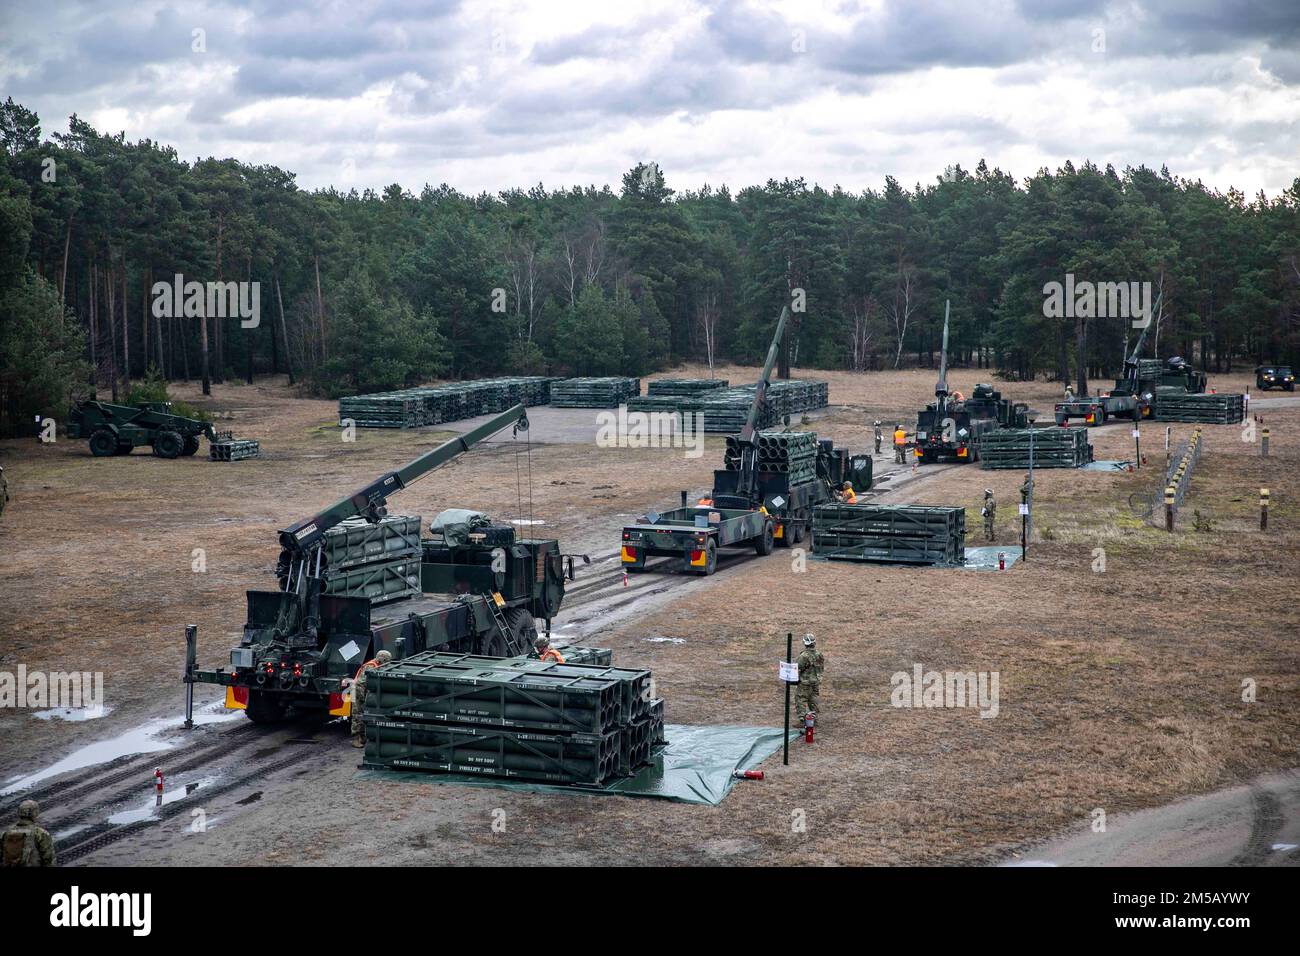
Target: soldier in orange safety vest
column 900, row 443
column 847, row 494
column 546, row 652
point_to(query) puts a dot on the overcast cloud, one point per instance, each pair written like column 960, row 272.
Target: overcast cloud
column 491, row 95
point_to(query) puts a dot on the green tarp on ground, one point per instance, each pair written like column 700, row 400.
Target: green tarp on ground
column 696, row 766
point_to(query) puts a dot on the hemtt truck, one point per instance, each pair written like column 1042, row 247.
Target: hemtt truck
column 355, row 580
column 1132, row 397
column 763, row 497
column 950, row 427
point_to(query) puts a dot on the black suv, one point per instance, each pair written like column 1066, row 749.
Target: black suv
column 1274, row 376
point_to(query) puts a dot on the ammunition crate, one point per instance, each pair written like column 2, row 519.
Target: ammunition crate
column 551, row 758
column 380, row 582
column 1052, row 448
column 233, row 449
column 608, row 392
column 1176, row 405
column 910, row 534
column 357, row 541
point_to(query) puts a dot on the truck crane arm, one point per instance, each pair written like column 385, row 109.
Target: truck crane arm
column 941, row 386
column 369, row 502
column 745, row 439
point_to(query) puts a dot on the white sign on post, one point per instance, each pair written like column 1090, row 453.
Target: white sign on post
column 790, row 672
column 1136, row 433
column 1024, row 509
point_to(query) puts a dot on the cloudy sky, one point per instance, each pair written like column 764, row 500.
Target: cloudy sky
column 488, row 95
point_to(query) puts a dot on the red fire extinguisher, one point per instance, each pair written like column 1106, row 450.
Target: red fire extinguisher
column 1002, row 560
column 808, row 721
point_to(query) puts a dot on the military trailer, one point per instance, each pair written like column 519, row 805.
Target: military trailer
column 354, row 580
column 1275, row 376
column 117, row 429
column 950, row 427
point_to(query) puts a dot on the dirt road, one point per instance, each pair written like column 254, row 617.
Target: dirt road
column 1121, row 687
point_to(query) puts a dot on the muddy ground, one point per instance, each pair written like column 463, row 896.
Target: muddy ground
column 1120, row 689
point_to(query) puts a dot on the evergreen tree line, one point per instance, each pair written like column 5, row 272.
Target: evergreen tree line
column 364, row 291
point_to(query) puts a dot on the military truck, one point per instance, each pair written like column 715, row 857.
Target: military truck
column 752, row 503
column 117, row 429
column 354, row 580
column 950, row 427
column 1275, row 376
column 1133, row 396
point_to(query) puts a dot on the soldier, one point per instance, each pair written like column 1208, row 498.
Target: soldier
column 359, row 697
column 4, row 490
column 811, row 664
column 846, row 494
column 1069, row 393
column 25, row 843
column 989, row 512
column 880, row 436
column 900, row 443
column 1026, row 488
column 546, row 652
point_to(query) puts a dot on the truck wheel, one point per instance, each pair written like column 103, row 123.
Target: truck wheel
column 710, row 558
column 103, row 443
column 493, row 645
column 522, row 627
column 190, row 446
column 264, row 708
column 765, row 541
column 168, row 444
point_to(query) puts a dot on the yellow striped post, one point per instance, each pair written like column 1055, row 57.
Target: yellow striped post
column 1263, row 509
column 1169, row 507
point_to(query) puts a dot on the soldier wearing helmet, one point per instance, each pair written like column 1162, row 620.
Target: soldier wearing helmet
column 359, row 696
column 546, row 652
column 989, row 513
column 811, row 664
column 26, row 843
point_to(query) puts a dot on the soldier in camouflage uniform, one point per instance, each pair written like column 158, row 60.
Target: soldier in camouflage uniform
column 811, row 664
column 25, row 843
column 359, row 697
column 989, row 512
column 1025, row 489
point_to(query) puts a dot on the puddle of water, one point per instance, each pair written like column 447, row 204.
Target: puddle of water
column 1030, row 863
column 143, row 739
column 1283, row 847
column 149, row 809
column 64, row 834
column 526, row 521
column 664, row 640
column 73, row 714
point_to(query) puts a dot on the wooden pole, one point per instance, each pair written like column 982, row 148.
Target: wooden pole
column 1263, row 444
column 1263, row 509
column 1169, row 508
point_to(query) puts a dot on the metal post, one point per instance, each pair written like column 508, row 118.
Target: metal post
column 1263, row 445
column 1168, row 432
column 191, row 655
column 1263, row 509
column 1137, row 444
column 1169, row 508
column 683, row 498
column 789, row 651
column 1029, row 502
